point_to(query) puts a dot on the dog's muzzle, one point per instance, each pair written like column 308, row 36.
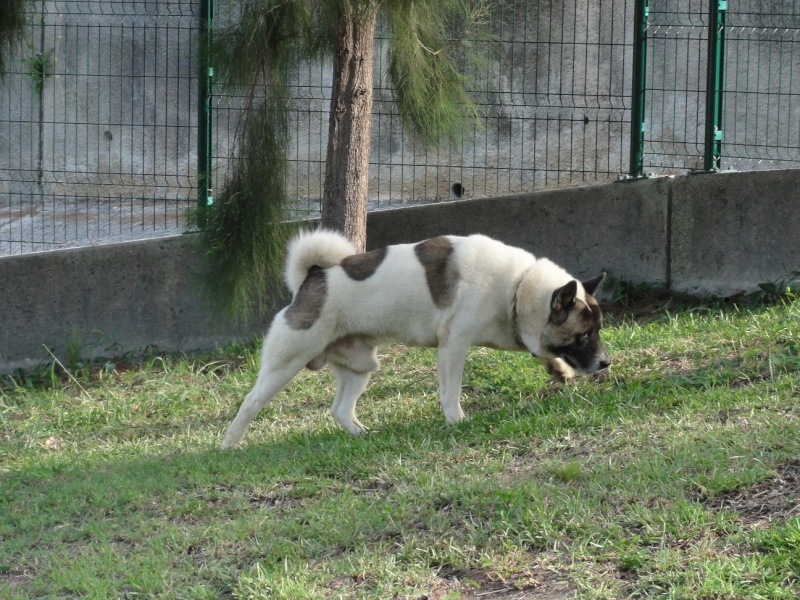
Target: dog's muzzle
column 599, row 364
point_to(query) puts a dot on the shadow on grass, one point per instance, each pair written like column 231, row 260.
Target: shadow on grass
column 301, row 497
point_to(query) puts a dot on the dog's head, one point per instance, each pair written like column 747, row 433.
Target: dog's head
column 572, row 330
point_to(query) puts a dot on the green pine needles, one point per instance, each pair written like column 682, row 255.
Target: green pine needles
column 247, row 227
column 434, row 49
column 431, row 52
column 12, row 28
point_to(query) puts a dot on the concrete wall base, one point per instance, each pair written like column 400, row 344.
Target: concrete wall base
column 703, row 234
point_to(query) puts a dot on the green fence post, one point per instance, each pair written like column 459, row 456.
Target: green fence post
column 716, row 54
column 640, row 15
column 204, row 192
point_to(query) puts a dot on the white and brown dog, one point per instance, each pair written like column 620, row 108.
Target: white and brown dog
column 449, row 292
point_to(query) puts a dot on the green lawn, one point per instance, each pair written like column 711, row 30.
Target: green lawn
column 677, row 475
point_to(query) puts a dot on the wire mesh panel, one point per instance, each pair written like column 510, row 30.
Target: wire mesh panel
column 760, row 85
column 761, row 118
column 99, row 111
column 98, row 124
column 676, row 84
column 554, row 103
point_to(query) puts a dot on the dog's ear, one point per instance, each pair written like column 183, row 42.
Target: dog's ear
column 592, row 285
column 562, row 301
column 564, row 297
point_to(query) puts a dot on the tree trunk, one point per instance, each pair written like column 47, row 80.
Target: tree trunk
column 344, row 205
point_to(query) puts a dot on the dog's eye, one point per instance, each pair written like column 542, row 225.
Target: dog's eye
column 583, row 338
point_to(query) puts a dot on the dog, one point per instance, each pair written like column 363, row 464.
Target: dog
column 447, row 292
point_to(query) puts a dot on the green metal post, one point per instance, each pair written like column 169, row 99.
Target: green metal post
column 205, row 195
column 640, row 15
column 716, row 55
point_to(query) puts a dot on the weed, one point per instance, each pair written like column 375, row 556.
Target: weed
column 39, row 67
column 784, row 289
column 567, row 472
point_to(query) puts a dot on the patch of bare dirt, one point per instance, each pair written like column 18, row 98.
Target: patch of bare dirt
column 16, row 575
column 537, row 583
column 774, row 499
column 506, row 593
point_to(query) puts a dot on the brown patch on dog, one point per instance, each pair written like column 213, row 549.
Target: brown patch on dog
column 578, row 318
column 562, row 302
column 363, row 266
column 307, row 305
column 592, row 285
column 434, row 254
column 594, row 307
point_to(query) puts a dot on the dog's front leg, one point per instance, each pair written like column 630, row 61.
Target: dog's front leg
column 450, row 364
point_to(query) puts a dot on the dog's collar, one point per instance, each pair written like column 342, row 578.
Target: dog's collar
column 514, row 328
column 514, row 320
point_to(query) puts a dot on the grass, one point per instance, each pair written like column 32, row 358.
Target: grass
column 677, row 475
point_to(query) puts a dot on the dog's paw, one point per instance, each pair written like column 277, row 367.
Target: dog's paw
column 353, row 426
column 230, row 440
column 454, row 416
column 562, row 377
column 559, row 370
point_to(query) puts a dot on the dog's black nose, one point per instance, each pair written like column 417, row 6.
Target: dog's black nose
column 604, row 363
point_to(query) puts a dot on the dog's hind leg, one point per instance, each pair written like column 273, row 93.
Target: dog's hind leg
column 283, row 353
column 349, row 386
column 271, row 380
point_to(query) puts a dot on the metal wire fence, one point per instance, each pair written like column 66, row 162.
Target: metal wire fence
column 555, row 105
column 98, row 124
column 758, row 78
column 762, row 85
column 99, row 116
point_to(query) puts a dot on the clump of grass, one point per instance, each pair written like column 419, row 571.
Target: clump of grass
column 568, row 472
column 784, row 289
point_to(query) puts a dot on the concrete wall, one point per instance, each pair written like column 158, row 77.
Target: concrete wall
column 716, row 234
column 109, row 301
column 733, row 231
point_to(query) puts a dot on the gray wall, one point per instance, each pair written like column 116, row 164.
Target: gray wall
column 717, row 234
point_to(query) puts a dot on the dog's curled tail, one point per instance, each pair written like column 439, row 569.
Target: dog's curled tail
column 321, row 247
